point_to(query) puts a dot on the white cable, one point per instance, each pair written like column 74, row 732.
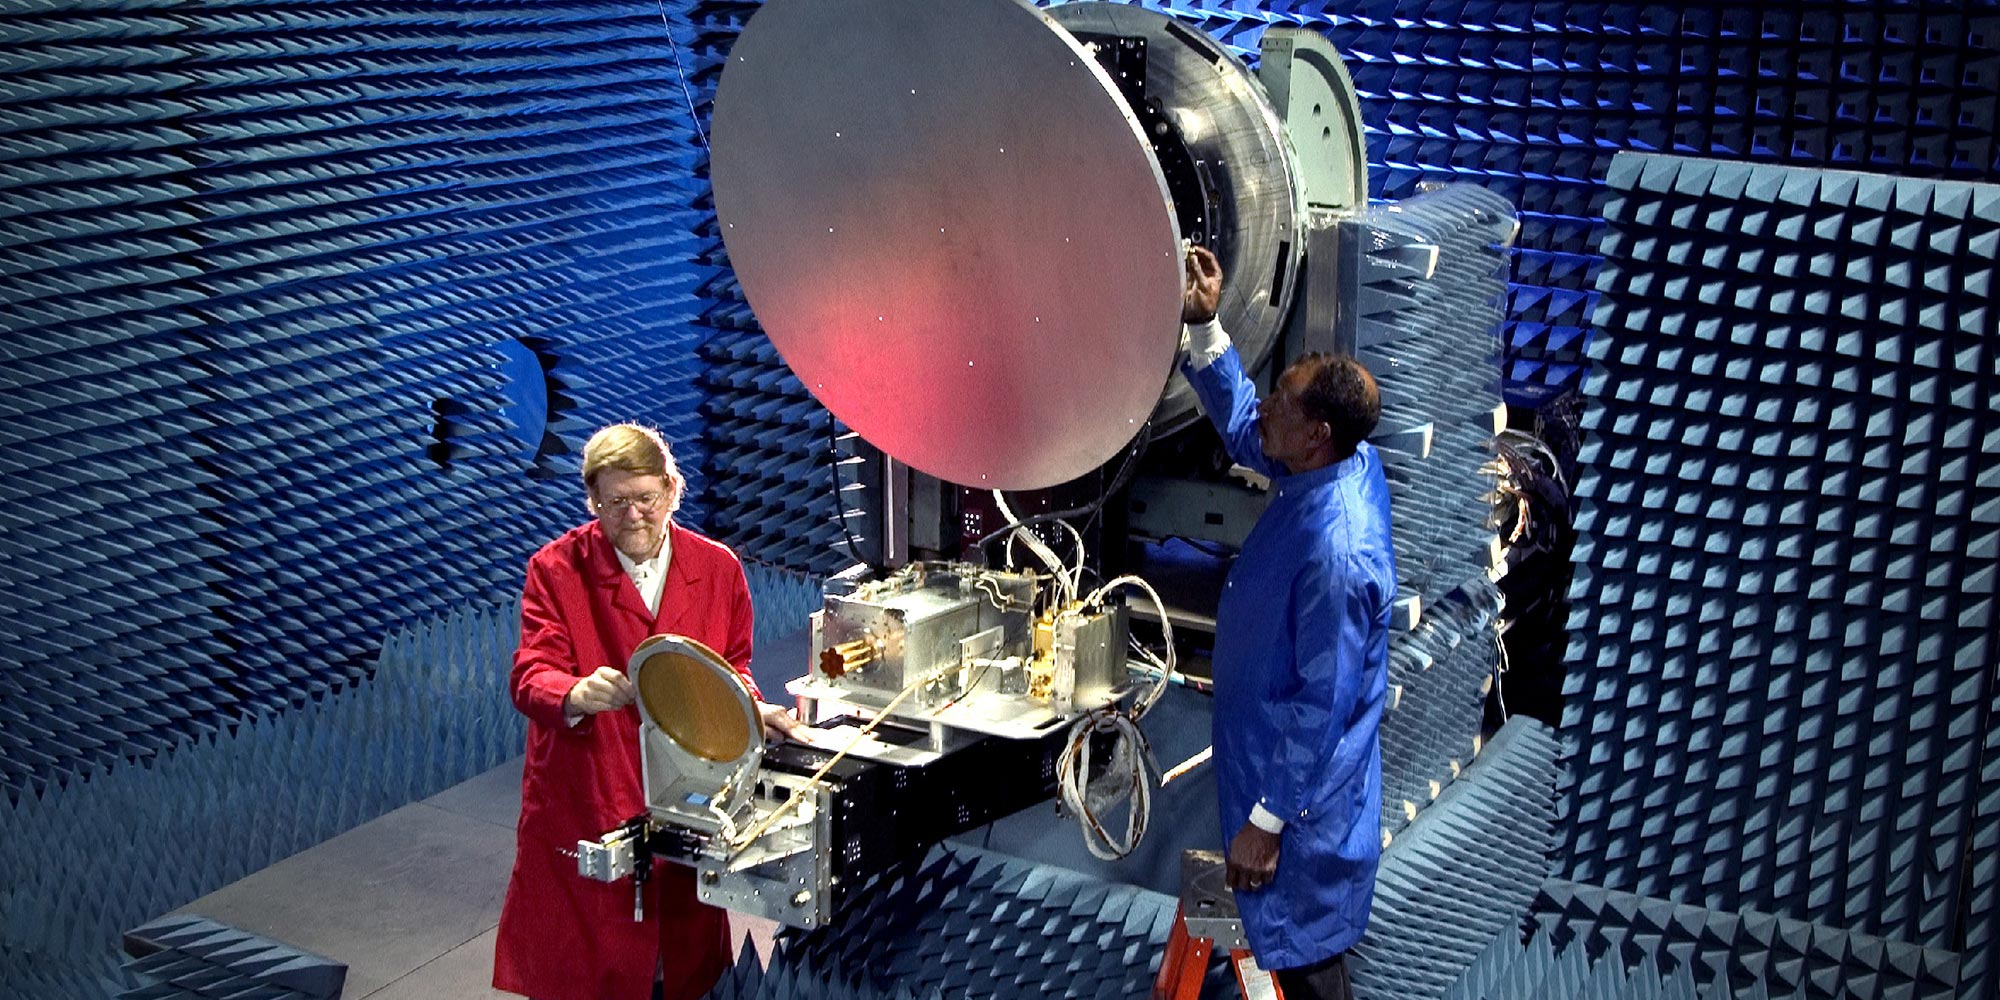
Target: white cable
column 1065, row 587
column 1072, row 575
column 1146, row 702
column 737, row 844
column 729, row 830
column 1140, row 772
column 1076, row 572
column 1139, row 775
column 1186, row 766
column 1528, row 442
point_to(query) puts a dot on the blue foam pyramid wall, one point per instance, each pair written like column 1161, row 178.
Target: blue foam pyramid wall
column 780, row 457
column 195, row 958
column 1532, row 99
column 139, row 840
column 1741, row 951
column 309, row 306
column 1427, row 314
column 969, row 923
column 1467, row 868
column 1783, row 632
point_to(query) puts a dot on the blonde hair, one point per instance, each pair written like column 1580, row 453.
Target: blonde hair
column 638, row 450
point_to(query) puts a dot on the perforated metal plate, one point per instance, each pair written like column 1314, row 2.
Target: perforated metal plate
column 951, row 228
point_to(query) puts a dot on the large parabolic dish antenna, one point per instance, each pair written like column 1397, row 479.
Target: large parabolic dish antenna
column 952, row 228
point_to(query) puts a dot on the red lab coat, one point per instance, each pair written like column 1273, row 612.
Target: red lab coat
column 564, row 937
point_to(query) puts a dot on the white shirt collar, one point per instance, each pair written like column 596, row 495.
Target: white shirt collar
column 650, row 576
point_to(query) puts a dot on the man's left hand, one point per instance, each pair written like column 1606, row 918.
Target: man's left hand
column 778, row 722
column 1253, row 859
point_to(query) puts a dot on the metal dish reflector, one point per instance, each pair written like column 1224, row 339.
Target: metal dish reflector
column 952, row 229
column 700, row 734
column 1249, row 178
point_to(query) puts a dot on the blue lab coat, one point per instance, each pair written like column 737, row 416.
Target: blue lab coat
column 1301, row 673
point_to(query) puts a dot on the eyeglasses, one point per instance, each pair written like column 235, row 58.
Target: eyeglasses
column 644, row 503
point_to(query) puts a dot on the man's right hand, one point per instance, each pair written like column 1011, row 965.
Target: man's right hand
column 1204, row 286
column 603, row 690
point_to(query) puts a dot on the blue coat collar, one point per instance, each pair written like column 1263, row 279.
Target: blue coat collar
column 1352, row 465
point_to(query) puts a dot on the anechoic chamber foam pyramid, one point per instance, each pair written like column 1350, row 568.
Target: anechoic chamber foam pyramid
column 969, row 923
column 1783, row 636
column 266, row 271
column 1425, row 304
column 1466, row 869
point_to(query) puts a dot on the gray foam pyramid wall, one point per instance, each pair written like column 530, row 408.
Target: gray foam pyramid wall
column 1742, row 950
column 748, row 979
column 1507, row 970
column 1465, row 870
column 308, row 308
column 968, row 923
column 1783, row 632
column 1982, row 930
column 195, row 958
column 1427, row 308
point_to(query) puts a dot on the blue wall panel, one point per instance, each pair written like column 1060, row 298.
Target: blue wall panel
column 1429, row 334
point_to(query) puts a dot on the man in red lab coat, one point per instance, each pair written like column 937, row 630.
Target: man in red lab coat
column 592, row 596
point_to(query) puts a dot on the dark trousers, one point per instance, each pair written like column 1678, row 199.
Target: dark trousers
column 1320, row 981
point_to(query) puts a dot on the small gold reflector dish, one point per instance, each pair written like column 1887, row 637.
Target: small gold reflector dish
column 698, row 705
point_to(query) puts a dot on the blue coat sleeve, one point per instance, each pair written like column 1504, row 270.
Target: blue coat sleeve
column 1326, row 720
column 1230, row 400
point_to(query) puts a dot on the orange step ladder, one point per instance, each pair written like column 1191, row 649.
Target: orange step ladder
column 1216, row 924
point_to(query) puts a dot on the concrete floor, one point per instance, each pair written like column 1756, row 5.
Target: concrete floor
column 410, row 901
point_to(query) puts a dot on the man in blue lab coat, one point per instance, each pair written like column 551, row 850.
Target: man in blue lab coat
column 1301, row 650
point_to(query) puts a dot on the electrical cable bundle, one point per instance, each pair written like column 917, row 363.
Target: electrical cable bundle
column 1129, row 770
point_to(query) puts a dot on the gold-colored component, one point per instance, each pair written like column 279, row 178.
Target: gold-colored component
column 835, row 661
column 1045, row 636
column 695, row 704
column 1041, row 677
